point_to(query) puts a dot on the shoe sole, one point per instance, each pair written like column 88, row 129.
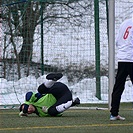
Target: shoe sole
column 54, row 76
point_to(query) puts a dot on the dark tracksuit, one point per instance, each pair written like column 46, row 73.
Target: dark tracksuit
column 60, row 91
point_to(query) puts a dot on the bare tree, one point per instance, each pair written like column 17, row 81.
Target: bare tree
column 22, row 19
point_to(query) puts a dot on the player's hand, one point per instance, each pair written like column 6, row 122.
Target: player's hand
column 21, row 114
column 45, row 109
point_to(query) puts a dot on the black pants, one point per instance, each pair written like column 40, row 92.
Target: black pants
column 63, row 100
column 60, row 91
column 124, row 69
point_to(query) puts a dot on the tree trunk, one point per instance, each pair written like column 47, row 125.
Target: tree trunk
column 25, row 54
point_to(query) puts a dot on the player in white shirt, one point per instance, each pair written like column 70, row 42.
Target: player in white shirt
column 124, row 43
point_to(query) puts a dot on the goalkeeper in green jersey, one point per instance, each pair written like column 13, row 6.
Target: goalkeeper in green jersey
column 52, row 99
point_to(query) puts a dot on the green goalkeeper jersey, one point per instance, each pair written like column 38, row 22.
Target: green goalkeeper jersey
column 39, row 101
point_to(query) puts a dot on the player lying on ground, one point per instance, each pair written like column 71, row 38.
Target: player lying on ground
column 52, row 99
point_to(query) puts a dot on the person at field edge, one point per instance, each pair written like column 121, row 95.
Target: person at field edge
column 52, row 99
column 124, row 43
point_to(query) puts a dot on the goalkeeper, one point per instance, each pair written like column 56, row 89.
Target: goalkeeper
column 52, row 98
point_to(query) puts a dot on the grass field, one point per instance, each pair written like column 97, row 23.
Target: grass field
column 72, row 121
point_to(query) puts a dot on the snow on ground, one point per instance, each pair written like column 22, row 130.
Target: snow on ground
column 13, row 92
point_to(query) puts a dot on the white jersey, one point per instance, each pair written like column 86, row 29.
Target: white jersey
column 124, row 42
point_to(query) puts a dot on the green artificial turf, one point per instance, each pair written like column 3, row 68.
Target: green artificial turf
column 72, row 121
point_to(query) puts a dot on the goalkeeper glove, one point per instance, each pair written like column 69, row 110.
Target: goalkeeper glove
column 21, row 114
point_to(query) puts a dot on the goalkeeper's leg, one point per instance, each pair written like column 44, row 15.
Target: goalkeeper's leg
column 61, row 106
